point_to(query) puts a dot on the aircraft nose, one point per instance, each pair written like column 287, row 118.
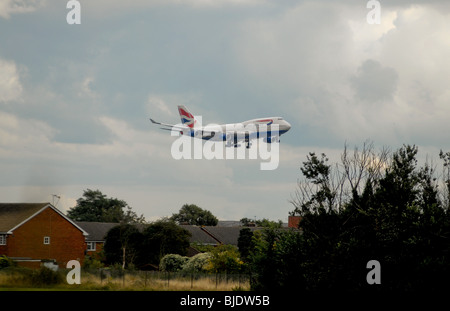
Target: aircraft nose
column 288, row 126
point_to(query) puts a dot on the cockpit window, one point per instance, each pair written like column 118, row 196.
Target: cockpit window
column 280, row 118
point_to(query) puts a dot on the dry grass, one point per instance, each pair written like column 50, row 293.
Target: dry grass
column 18, row 279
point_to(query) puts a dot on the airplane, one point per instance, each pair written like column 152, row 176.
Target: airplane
column 269, row 129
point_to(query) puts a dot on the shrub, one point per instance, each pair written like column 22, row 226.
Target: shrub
column 6, row 262
column 197, row 263
column 45, row 276
column 92, row 263
column 172, row 262
column 225, row 258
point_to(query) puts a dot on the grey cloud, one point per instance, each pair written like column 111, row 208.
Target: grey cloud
column 373, row 82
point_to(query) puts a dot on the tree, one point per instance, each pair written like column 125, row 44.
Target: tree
column 123, row 244
column 246, row 222
column 225, row 258
column 95, row 206
column 245, row 244
column 191, row 214
column 379, row 206
column 163, row 237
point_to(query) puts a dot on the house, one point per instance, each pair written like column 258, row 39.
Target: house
column 215, row 235
column 31, row 233
column 95, row 241
column 294, row 221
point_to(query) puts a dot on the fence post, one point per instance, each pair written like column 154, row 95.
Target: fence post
column 216, row 279
column 145, row 280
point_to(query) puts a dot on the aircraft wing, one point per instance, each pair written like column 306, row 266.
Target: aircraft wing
column 172, row 126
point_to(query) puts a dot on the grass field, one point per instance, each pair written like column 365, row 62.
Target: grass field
column 26, row 279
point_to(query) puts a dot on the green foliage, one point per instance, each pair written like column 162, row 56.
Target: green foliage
column 163, row 237
column 245, row 243
column 45, row 276
column 225, row 258
column 172, row 262
column 276, row 259
column 197, row 263
column 261, row 222
column 122, row 245
column 191, row 214
column 6, row 262
column 92, row 263
column 132, row 246
column 389, row 210
column 95, row 206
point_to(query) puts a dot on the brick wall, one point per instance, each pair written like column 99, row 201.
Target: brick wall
column 294, row 221
column 66, row 241
column 98, row 253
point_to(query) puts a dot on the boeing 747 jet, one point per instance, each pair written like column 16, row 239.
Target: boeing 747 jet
column 270, row 129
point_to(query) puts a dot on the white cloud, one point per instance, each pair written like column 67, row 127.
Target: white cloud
column 23, row 137
column 9, row 7
column 111, row 8
column 157, row 103
column 10, row 86
column 316, row 53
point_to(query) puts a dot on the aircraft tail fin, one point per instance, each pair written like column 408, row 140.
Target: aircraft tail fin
column 187, row 118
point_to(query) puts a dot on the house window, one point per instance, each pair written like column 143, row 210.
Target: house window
column 46, row 240
column 91, row 246
column 2, row 239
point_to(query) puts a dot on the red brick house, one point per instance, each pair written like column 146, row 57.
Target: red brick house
column 96, row 239
column 32, row 232
column 294, row 221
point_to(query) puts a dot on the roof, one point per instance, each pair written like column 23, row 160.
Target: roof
column 13, row 215
column 226, row 235
column 199, row 236
column 97, row 230
column 214, row 235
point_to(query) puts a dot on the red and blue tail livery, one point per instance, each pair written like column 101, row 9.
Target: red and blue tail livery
column 186, row 117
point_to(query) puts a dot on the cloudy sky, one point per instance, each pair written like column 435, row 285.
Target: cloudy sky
column 75, row 99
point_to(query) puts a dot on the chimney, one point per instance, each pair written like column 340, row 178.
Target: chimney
column 294, row 221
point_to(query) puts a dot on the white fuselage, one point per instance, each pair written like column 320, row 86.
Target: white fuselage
column 250, row 129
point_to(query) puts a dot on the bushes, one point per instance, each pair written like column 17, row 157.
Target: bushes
column 176, row 263
column 197, row 263
column 26, row 277
column 172, row 262
column 6, row 262
column 394, row 212
column 45, row 276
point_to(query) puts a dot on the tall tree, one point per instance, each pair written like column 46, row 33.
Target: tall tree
column 191, row 214
column 385, row 207
column 245, row 244
column 122, row 244
column 163, row 237
column 95, row 206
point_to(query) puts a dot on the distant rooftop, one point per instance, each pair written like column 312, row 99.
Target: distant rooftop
column 97, row 230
